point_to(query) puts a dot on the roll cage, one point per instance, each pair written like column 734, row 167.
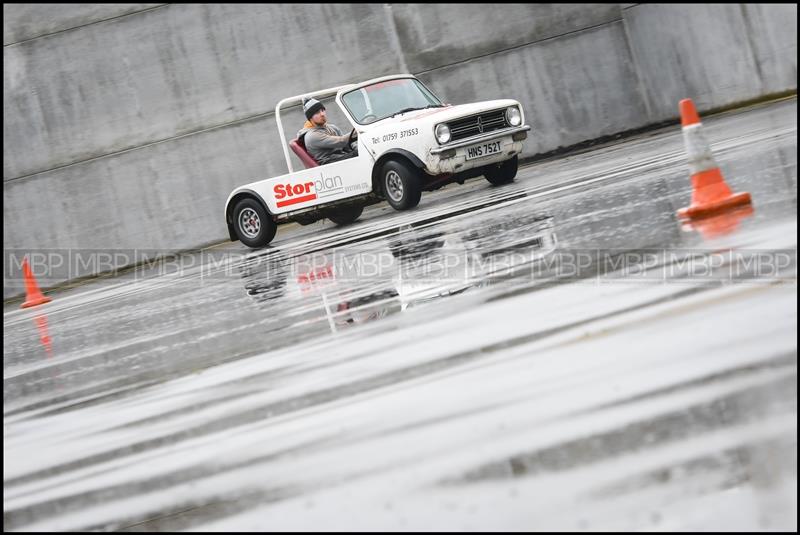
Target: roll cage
column 322, row 94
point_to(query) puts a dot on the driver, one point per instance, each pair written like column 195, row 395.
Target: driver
column 324, row 141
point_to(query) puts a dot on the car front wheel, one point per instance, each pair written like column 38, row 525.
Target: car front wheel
column 401, row 185
column 503, row 172
column 253, row 225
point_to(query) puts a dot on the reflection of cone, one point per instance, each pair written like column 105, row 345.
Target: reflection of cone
column 33, row 296
column 710, row 193
column 720, row 224
column 44, row 337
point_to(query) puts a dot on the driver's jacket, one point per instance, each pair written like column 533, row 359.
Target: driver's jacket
column 325, row 143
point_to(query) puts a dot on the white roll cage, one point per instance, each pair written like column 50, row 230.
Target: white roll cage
column 323, row 93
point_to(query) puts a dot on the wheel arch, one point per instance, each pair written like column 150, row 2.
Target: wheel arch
column 392, row 154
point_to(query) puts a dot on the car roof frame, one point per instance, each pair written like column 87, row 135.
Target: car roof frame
column 321, row 94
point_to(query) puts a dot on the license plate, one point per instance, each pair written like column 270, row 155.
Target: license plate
column 479, row 151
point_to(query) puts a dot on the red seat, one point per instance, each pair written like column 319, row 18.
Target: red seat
column 299, row 148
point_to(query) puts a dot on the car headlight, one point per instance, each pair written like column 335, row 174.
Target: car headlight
column 442, row 133
column 513, row 116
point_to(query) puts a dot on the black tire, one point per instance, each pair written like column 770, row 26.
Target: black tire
column 306, row 220
column 252, row 224
column 345, row 216
column 401, row 185
column 503, row 172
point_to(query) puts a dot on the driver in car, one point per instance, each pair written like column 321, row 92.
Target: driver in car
column 324, row 141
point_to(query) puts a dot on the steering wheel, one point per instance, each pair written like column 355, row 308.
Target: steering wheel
column 353, row 136
column 368, row 118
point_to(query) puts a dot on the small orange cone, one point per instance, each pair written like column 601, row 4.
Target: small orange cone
column 720, row 224
column 33, row 296
column 710, row 193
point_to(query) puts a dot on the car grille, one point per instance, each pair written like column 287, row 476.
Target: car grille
column 477, row 124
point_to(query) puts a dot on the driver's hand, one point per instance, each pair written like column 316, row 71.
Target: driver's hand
column 352, row 139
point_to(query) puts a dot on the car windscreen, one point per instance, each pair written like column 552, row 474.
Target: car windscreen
column 384, row 99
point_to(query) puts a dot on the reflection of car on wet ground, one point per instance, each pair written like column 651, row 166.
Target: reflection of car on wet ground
column 265, row 277
column 530, row 232
column 408, row 141
column 432, row 264
column 367, row 307
column 363, row 283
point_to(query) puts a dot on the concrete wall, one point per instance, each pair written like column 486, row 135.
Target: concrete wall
column 127, row 125
column 719, row 54
column 36, row 20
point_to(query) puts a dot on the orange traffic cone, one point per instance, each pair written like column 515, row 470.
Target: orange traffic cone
column 720, row 224
column 710, row 193
column 33, row 296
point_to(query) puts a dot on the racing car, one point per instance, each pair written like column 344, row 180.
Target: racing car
column 408, row 141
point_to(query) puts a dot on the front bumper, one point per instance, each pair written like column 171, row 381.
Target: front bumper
column 452, row 157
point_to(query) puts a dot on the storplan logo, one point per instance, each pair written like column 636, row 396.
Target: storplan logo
column 308, row 191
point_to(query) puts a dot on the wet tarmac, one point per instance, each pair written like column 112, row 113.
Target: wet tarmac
column 559, row 353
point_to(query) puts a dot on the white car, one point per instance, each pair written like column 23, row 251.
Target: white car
column 408, row 140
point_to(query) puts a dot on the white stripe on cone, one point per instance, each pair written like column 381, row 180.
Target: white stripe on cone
column 698, row 149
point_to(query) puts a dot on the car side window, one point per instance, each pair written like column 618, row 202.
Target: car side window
column 358, row 104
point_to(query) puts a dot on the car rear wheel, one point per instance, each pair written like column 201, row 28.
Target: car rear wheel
column 252, row 224
column 503, row 172
column 401, row 185
column 344, row 216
